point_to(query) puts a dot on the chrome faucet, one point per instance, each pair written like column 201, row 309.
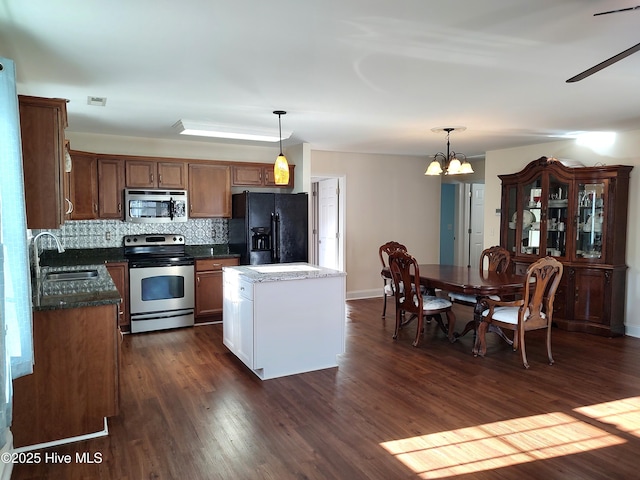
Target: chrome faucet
column 36, row 255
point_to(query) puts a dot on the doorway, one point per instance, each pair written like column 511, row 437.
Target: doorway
column 328, row 222
column 461, row 205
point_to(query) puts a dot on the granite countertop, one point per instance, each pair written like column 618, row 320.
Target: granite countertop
column 94, row 256
column 283, row 271
column 53, row 295
column 50, row 295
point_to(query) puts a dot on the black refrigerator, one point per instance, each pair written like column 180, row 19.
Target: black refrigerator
column 269, row 227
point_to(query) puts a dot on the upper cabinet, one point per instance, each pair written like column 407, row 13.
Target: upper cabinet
column 209, row 191
column 83, row 180
column 42, row 124
column 579, row 216
column 110, row 187
column 152, row 174
column 257, row 175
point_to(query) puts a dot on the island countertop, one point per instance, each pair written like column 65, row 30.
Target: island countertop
column 277, row 272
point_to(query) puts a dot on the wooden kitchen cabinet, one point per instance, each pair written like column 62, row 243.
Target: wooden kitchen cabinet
column 42, row 124
column 83, row 190
column 209, row 191
column 110, row 188
column 208, row 288
column 257, row 175
column 119, row 272
column 150, row 174
column 74, row 384
column 579, row 216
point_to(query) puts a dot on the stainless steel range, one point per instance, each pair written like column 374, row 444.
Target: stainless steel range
column 161, row 276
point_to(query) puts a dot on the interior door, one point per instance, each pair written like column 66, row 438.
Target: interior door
column 477, row 223
column 328, row 226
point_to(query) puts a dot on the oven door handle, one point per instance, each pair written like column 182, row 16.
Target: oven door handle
column 171, row 207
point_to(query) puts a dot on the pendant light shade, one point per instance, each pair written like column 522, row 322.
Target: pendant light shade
column 281, row 167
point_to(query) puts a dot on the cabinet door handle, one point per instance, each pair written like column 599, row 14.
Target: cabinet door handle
column 95, row 208
column 152, row 178
column 197, row 281
column 159, row 178
column 69, row 207
column 119, row 207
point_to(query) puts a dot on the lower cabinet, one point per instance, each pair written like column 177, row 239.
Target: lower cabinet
column 119, row 272
column 589, row 299
column 74, row 384
column 208, row 288
column 284, row 327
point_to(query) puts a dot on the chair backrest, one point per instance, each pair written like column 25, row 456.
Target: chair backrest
column 543, row 278
column 387, row 249
column 405, row 275
column 498, row 259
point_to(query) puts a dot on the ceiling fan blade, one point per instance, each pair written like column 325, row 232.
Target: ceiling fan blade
column 616, row 11
column 606, row 63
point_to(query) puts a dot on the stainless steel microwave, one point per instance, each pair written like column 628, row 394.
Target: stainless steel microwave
column 155, row 206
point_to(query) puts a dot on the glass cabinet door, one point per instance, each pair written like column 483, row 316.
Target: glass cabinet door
column 590, row 222
column 557, row 217
column 531, row 217
column 510, row 240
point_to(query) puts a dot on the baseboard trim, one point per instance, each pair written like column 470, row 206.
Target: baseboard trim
column 360, row 294
column 632, row 331
column 64, row 441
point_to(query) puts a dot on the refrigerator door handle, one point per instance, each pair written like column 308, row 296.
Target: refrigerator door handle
column 276, row 239
column 273, row 238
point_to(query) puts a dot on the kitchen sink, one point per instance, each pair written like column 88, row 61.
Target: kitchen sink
column 71, row 275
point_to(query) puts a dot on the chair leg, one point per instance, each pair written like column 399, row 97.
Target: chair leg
column 451, row 320
column 480, row 347
column 520, row 334
column 398, row 323
column 419, row 328
column 384, row 305
column 549, row 345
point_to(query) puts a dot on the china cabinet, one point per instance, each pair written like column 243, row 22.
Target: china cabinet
column 579, row 216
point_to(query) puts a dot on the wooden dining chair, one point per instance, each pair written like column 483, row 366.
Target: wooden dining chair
column 533, row 312
column 384, row 251
column 405, row 275
column 496, row 259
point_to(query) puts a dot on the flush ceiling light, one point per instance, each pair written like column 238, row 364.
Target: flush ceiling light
column 451, row 162
column 281, row 167
column 204, row 129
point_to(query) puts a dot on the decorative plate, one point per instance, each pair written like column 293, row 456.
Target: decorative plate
column 527, row 218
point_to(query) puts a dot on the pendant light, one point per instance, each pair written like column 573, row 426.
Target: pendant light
column 451, row 163
column 281, row 167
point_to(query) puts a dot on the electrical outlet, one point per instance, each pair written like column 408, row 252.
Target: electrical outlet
column 107, row 236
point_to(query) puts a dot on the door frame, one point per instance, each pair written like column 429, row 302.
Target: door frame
column 314, row 245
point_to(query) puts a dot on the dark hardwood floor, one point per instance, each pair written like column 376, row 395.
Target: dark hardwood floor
column 191, row 410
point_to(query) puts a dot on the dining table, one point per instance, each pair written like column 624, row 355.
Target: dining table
column 470, row 281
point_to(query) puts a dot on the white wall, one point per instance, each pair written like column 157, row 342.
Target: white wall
column 625, row 151
column 387, row 198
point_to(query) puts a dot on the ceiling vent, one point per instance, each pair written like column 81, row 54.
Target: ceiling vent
column 97, row 101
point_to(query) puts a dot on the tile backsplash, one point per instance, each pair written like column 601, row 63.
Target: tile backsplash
column 109, row 233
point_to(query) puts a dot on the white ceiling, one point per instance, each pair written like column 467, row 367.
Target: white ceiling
column 371, row 76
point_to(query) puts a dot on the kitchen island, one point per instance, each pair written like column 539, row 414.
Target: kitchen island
column 284, row 319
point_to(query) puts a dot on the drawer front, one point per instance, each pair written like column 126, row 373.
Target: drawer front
column 215, row 263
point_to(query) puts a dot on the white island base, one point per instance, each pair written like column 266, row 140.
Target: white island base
column 284, row 319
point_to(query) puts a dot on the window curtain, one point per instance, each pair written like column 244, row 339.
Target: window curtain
column 16, row 336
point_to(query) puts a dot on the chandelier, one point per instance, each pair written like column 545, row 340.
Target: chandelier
column 450, row 163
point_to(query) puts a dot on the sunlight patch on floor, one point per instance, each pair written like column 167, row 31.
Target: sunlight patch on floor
column 501, row 444
column 623, row 414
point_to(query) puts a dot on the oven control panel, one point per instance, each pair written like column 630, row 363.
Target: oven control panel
column 153, row 239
